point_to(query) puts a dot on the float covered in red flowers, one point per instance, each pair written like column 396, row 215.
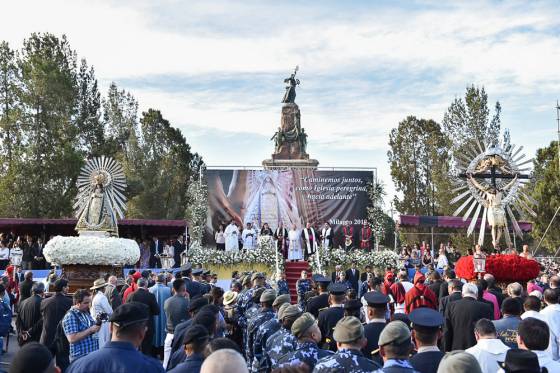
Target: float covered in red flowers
column 505, row 268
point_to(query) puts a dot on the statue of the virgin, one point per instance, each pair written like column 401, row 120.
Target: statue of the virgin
column 99, row 199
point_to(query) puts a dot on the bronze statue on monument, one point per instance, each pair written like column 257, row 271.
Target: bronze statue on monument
column 290, row 141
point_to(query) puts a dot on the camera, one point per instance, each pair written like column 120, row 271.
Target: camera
column 100, row 318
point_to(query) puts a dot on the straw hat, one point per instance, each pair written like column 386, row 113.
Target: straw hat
column 229, row 297
column 99, row 283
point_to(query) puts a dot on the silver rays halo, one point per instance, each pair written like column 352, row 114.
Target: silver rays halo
column 474, row 204
column 114, row 184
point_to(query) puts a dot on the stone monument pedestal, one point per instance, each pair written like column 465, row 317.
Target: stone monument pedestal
column 271, row 164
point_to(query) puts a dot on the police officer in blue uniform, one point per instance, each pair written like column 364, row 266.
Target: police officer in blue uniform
column 283, row 341
column 303, row 285
column 376, row 311
column 395, row 347
column 350, row 339
column 264, row 314
column 307, row 351
column 121, row 353
column 322, row 300
column 328, row 317
column 426, row 331
column 267, row 329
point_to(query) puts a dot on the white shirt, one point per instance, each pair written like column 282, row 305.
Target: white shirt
column 488, row 352
column 533, row 314
column 545, row 361
column 407, row 285
column 4, row 253
column 442, row 261
column 552, row 315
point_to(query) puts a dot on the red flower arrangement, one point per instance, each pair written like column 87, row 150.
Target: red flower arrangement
column 505, row 268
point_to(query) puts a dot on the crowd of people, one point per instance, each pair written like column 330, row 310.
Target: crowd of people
column 349, row 321
column 26, row 252
column 294, row 243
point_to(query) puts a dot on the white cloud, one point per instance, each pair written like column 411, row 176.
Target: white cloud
column 364, row 67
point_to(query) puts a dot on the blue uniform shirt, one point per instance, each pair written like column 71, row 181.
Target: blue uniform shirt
column 119, row 357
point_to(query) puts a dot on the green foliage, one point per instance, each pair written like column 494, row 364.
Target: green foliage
column 546, row 191
column 197, row 206
column 52, row 117
column 467, row 121
column 419, row 162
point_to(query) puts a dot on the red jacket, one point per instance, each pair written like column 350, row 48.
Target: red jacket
column 420, row 295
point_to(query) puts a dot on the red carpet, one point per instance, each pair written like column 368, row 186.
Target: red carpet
column 293, row 273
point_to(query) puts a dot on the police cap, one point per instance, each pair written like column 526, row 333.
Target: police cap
column 426, row 317
column 395, row 332
column 129, row 313
column 376, row 299
column 197, row 271
column 348, row 329
column 337, row 289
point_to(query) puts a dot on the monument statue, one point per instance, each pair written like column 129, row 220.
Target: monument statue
column 100, row 199
column 290, row 140
column 291, row 83
column 490, row 183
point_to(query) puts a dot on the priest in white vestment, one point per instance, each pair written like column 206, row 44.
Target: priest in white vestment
column 249, row 236
column 326, row 236
column 232, row 239
column 294, row 244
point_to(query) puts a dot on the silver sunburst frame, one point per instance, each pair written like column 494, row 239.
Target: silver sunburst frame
column 490, row 181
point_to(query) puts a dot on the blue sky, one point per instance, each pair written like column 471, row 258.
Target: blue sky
column 215, row 68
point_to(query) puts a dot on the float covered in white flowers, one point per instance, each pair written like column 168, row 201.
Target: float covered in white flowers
column 92, row 250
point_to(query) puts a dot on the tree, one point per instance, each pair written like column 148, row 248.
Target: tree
column 10, row 134
column 50, row 161
column 546, row 191
column 164, row 170
column 467, row 122
column 419, row 166
column 88, row 117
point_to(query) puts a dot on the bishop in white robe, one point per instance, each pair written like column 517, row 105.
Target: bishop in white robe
column 232, row 240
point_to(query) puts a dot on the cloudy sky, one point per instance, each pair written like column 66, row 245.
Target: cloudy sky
column 215, row 68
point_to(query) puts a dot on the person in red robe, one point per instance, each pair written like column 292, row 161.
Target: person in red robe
column 133, row 287
column 348, row 232
column 365, row 236
column 420, row 295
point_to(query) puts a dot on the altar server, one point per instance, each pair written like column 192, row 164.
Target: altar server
column 365, row 237
column 249, row 236
column 232, row 241
column 326, row 236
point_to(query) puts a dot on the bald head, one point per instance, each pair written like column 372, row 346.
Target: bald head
column 224, row 361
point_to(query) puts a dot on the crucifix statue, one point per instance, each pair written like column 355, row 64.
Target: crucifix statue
column 495, row 168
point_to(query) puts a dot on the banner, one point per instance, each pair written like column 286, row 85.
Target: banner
column 294, row 197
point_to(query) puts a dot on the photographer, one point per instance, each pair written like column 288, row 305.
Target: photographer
column 79, row 327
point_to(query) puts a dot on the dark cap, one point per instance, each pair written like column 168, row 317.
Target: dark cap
column 206, row 272
column 195, row 333
column 146, row 273
column 32, row 357
column 130, row 313
column 197, row 304
column 323, row 280
column 518, row 360
column 185, row 267
column 426, row 317
column 316, row 277
column 376, row 299
column 353, row 304
column 60, row 284
column 197, row 272
column 337, row 289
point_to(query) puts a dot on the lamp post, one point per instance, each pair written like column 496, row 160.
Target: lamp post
column 479, row 260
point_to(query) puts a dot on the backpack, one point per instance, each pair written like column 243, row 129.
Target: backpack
column 420, row 301
column 5, row 319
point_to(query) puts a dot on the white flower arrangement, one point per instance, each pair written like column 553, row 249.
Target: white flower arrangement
column 91, row 250
column 265, row 253
column 377, row 259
